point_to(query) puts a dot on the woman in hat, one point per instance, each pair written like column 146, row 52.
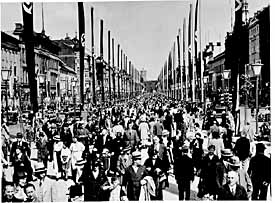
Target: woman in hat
column 77, row 148
column 21, row 164
column 20, row 184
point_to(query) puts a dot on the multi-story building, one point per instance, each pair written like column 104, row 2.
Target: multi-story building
column 10, row 55
column 259, row 51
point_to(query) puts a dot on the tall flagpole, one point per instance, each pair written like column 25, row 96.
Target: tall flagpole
column 185, row 52
column 93, row 57
column 201, row 52
column 192, row 62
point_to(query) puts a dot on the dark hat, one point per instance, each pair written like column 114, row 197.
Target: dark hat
column 40, row 168
column 136, row 155
column 227, row 153
column 19, row 135
column 260, row 147
column 21, row 174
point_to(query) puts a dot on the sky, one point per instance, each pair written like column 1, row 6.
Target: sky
column 145, row 30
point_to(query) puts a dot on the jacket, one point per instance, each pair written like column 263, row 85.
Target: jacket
column 225, row 193
column 184, row 168
column 47, row 192
column 131, row 181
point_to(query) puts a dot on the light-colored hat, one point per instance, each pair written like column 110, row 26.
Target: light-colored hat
column 165, row 132
column 80, row 162
column 136, row 155
column 56, row 138
column 234, row 161
column 40, row 168
column 227, row 153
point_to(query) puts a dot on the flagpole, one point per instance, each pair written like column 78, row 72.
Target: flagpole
column 193, row 61
column 93, row 57
column 185, row 48
column 201, row 53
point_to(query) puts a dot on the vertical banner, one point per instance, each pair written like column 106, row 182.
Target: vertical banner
column 27, row 9
column 81, row 26
column 118, row 72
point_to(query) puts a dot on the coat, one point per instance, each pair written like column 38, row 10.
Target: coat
column 25, row 149
column 208, row 174
column 93, row 186
column 257, row 172
column 47, row 192
column 131, row 138
column 225, row 193
column 41, row 145
column 184, row 168
column 221, row 173
column 131, row 181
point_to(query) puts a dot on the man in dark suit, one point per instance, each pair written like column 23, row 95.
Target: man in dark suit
column 20, row 143
column 208, row 173
column 260, row 173
column 184, row 173
column 232, row 190
column 133, row 176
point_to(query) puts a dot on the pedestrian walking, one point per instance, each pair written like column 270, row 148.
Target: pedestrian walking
column 131, row 184
column 260, row 173
column 184, row 173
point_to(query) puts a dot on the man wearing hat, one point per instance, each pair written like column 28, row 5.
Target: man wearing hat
column 124, row 161
column 222, row 167
column 244, row 180
column 260, row 173
column 20, row 143
column 208, row 173
column 45, row 186
column 132, row 178
column 184, row 173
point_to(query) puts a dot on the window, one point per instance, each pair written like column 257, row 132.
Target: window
column 14, row 70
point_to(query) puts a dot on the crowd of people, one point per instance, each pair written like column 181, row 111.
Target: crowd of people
column 130, row 151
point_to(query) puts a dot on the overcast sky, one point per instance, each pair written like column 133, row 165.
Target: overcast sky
column 145, row 30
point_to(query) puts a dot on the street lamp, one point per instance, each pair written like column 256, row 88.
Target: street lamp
column 257, row 71
column 74, row 96
column 5, row 73
column 226, row 77
column 205, row 80
column 42, row 81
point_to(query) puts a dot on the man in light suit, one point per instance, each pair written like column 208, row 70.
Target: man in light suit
column 45, row 186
